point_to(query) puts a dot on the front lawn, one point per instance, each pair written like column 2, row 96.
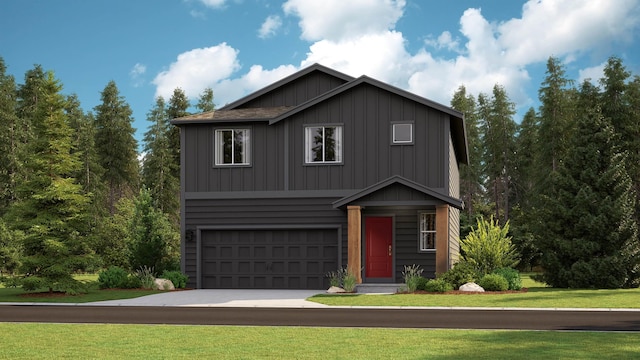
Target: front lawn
column 70, row 341
column 537, row 296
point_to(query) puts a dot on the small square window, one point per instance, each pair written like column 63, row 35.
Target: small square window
column 402, row 133
column 232, row 147
column 427, row 231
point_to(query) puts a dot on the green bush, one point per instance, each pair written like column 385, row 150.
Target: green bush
column 487, row 247
column 512, row 276
column 422, row 284
column 461, row 273
column 147, row 277
column 178, row 279
column 411, row 275
column 349, row 281
column 438, row 285
column 494, row 282
column 114, row 277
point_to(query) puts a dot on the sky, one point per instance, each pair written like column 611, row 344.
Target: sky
column 428, row 47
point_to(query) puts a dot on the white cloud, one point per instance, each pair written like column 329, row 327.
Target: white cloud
column 593, row 74
column 197, row 69
column 230, row 90
column 335, row 20
column 214, row 4
column 136, row 74
column 269, row 27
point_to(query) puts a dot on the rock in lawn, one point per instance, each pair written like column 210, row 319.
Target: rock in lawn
column 335, row 290
column 471, row 287
column 163, row 284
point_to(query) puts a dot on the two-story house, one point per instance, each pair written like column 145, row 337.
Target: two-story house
column 316, row 172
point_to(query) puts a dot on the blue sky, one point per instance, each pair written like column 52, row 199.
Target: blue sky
column 429, row 47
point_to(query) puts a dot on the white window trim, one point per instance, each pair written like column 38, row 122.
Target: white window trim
column 308, row 153
column 421, row 240
column 218, row 155
column 393, row 133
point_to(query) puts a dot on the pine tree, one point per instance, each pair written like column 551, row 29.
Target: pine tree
column 159, row 168
column 53, row 205
column 205, row 102
column 116, row 146
column 590, row 237
column 178, row 105
column 9, row 139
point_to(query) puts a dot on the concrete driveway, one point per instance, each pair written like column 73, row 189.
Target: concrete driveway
column 223, row 298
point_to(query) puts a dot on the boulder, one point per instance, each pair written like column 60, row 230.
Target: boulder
column 335, row 290
column 471, row 287
column 163, row 284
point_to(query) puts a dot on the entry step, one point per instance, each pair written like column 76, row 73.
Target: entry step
column 379, row 288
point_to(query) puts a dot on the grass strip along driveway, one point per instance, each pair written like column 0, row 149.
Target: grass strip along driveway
column 47, row 341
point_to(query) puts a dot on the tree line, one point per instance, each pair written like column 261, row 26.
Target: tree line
column 74, row 195
column 566, row 178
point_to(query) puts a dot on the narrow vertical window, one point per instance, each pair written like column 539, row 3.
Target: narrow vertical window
column 427, row 231
column 323, row 144
column 232, row 147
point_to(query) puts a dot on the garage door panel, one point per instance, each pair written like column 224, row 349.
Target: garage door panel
column 269, row 259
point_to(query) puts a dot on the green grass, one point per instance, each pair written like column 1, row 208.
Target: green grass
column 538, row 296
column 94, row 294
column 47, row 341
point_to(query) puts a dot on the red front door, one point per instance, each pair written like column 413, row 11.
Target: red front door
column 379, row 246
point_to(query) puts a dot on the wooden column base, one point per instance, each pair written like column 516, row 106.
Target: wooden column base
column 442, row 238
column 354, row 245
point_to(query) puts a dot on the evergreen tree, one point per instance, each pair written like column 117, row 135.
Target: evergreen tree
column 590, row 237
column 178, row 105
column 205, row 102
column 159, row 168
column 10, row 141
column 116, row 147
column 53, row 205
column 154, row 242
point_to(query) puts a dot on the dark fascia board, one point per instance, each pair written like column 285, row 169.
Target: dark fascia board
column 288, row 79
column 457, row 118
column 396, row 179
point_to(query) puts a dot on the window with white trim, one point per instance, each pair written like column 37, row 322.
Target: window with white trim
column 232, row 147
column 402, row 133
column 323, row 144
column 427, row 231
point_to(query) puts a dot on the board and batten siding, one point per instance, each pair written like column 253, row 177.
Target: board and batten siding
column 273, row 212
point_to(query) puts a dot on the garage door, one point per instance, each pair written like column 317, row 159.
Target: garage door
column 268, row 259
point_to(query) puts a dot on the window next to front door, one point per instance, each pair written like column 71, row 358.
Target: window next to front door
column 232, row 147
column 427, row 231
column 323, row 144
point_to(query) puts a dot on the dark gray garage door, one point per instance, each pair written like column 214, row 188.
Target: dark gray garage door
column 268, row 259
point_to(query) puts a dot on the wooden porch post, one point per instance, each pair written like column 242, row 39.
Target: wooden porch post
column 442, row 238
column 354, row 244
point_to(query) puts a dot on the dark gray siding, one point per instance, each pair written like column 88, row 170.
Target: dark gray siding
column 248, row 213
column 366, row 112
column 298, row 91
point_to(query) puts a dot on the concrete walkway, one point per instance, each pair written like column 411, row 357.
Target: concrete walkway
column 222, row 298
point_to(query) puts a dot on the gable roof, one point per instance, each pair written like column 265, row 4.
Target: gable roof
column 295, row 76
column 458, row 132
column 396, row 179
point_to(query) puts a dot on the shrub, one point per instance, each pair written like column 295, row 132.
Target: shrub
column 411, row 275
column 114, row 277
column 512, row 276
column 461, row 273
column 146, row 276
column 422, row 284
column 335, row 278
column 348, row 281
column 487, row 247
column 178, row 279
column 438, row 285
column 494, row 282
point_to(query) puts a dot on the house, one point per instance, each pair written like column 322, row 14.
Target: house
column 317, row 172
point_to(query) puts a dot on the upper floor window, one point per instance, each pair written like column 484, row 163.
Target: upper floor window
column 402, row 133
column 232, row 146
column 323, row 144
column 427, row 231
